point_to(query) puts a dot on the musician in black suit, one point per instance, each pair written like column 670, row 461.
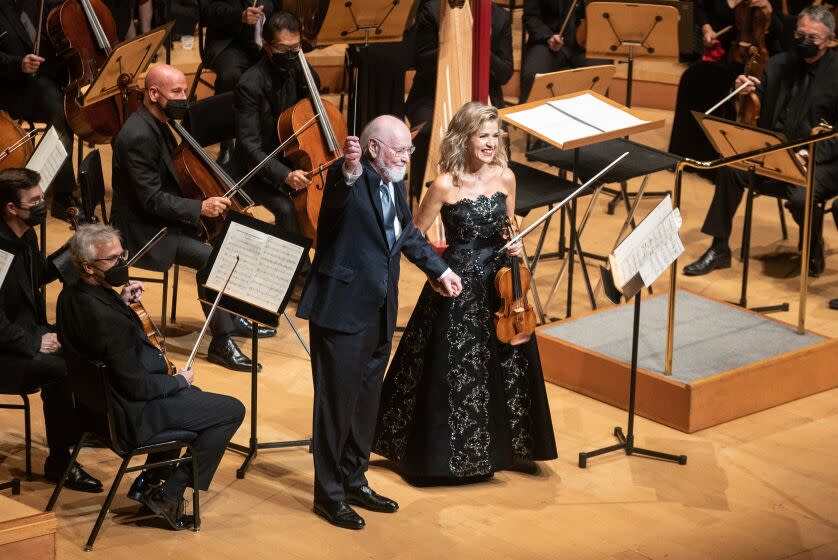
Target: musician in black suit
column 95, row 323
column 798, row 90
column 351, row 301
column 32, row 85
column 147, row 197
column 29, row 348
column 420, row 101
column 268, row 88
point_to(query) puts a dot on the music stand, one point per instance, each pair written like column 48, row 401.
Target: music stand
column 237, row 300
column 731, row 139
column 563, row 82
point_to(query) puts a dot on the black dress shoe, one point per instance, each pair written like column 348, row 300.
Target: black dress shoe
column 143, row 485
column 243, row 327
column 225, row 153
column 225, row 352
column 526, row 466
column 369, row 499
column 77, row 478
column 166, row 508
column 817, row 260
column 833, row 303
column 339, row 514
column 708, row 262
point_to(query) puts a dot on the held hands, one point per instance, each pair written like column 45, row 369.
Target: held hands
column 214, row 206
column 297, row 180
column 352, row 156
column 251, row 15
column 132, row 292
column 555, row 43
column 449, row 285
column 49, row 343
column 30, row 63
column 188, row 374
column 754, row 82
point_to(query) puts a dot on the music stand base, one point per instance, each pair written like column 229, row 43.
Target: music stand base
column 14, row 484
column 627, row 444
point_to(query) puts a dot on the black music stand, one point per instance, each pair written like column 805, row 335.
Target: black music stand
column 258, row 315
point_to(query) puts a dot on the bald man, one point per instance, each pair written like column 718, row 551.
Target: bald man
column 351, row 302
column 147, row 197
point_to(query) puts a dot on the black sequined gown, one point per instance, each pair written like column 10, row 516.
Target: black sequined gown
column 457, row 403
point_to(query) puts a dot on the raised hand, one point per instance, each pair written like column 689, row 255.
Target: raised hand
column 352, row 156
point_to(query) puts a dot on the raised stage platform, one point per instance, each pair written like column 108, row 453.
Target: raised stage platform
column 728, row 362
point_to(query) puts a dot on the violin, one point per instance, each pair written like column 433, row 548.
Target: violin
column 200, row 177
column 311, row 14
column 314, row 149
column 515, row 321
column 749, row 105
column 83, row 33
column 154, row 336
column 16, row 145
column 751, row 28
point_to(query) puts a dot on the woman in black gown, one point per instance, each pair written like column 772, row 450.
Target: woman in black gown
column 457, row 404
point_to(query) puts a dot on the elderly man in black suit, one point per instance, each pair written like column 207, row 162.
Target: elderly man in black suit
column 32, row 85
column 147, row 197
column 351, row 301
column 29, row 348
column 96, row 323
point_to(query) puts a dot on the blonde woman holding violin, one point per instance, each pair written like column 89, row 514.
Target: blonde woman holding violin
column 457, row 404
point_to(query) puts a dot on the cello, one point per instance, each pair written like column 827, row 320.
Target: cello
column 515, row 321
column 83, row 33
column 314, row 149
column 16, row 145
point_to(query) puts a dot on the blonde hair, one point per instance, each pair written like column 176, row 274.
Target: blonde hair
column 454, row 144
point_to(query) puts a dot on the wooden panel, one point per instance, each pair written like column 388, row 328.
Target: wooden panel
column 36, row 548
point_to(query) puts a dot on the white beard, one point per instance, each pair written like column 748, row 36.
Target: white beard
column 393, row 174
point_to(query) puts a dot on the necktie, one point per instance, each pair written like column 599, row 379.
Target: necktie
column 388, row 210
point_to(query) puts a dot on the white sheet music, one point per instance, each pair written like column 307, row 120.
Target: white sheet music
column 650, row 248
column 597, row 113
column 48, row 158
column 5, row 262
column 266, row 266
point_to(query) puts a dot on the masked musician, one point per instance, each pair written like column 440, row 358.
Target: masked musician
column 29, row 348
column 96, row 323
column 799, row 89
column 268, row 88
column 147, row 198
column 32, row 85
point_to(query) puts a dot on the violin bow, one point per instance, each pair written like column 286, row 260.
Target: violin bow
column 209, row 316
column 731, row 94
column 40, row 27
column 567, row 17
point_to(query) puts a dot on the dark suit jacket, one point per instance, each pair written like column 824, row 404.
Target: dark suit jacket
column 23, row 320
column 544, row 18
column 354, row 273
column 260, row 98
column 223, row 19
column 16, row 44
column 146, row 193
column 94, row 324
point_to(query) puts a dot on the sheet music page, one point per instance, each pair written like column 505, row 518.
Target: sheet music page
column 597, row 113
column 651, row 247
column 5, row 263
column 552, row 124
column 265, row 270
column 48, row 158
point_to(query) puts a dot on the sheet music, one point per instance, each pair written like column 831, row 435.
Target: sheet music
column 650, row 248
column 48, row 158
column 552, row 124
column 266, row 266
column 5, row 263
column 597, row 113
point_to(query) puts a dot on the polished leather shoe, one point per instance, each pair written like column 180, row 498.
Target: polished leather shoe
column 77, row 478
column 833, row 303
column 817, row 260
column 339, row 514
column 223, row 351
column 369, row 499
column 143, row 484
column 243, row 327
column 166, row 508
column 708, row 262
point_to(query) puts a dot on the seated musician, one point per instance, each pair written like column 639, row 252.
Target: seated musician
column 29, row 348
column 32, row 85
column 234, row 42
column 271, row 86
column 147, row 197
column 420, row 101
column 798, row 90
column 96, row 323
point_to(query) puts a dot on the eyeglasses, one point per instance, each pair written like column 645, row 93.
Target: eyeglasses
column 284, row 49
column 113, row 258
column 401, row 151
column 810, row 36
column 32, row 203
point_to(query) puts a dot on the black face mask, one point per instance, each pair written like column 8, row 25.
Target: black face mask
column 805, row 48
column 117, row 275
column 284, row 62
column 175, row 108
column 37, row 214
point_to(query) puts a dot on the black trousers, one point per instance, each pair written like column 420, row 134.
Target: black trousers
column 194, row 254
column 40, row 99
column 348, row 370
column 214, row 417
column 731, row 184
column 49, row 372
column 229, row 65
column 539, row 59
column 419, row 111
column 279, row 204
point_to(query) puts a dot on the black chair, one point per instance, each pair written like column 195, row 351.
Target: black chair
column 92, row 186
column 211, row 120
column 92, row 394
column 27, row 423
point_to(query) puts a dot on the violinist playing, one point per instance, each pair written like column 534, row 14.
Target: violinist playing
column 274, row 84
column 798, row 90
column 457, row 404
column 147, row 197
column 32, row 79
